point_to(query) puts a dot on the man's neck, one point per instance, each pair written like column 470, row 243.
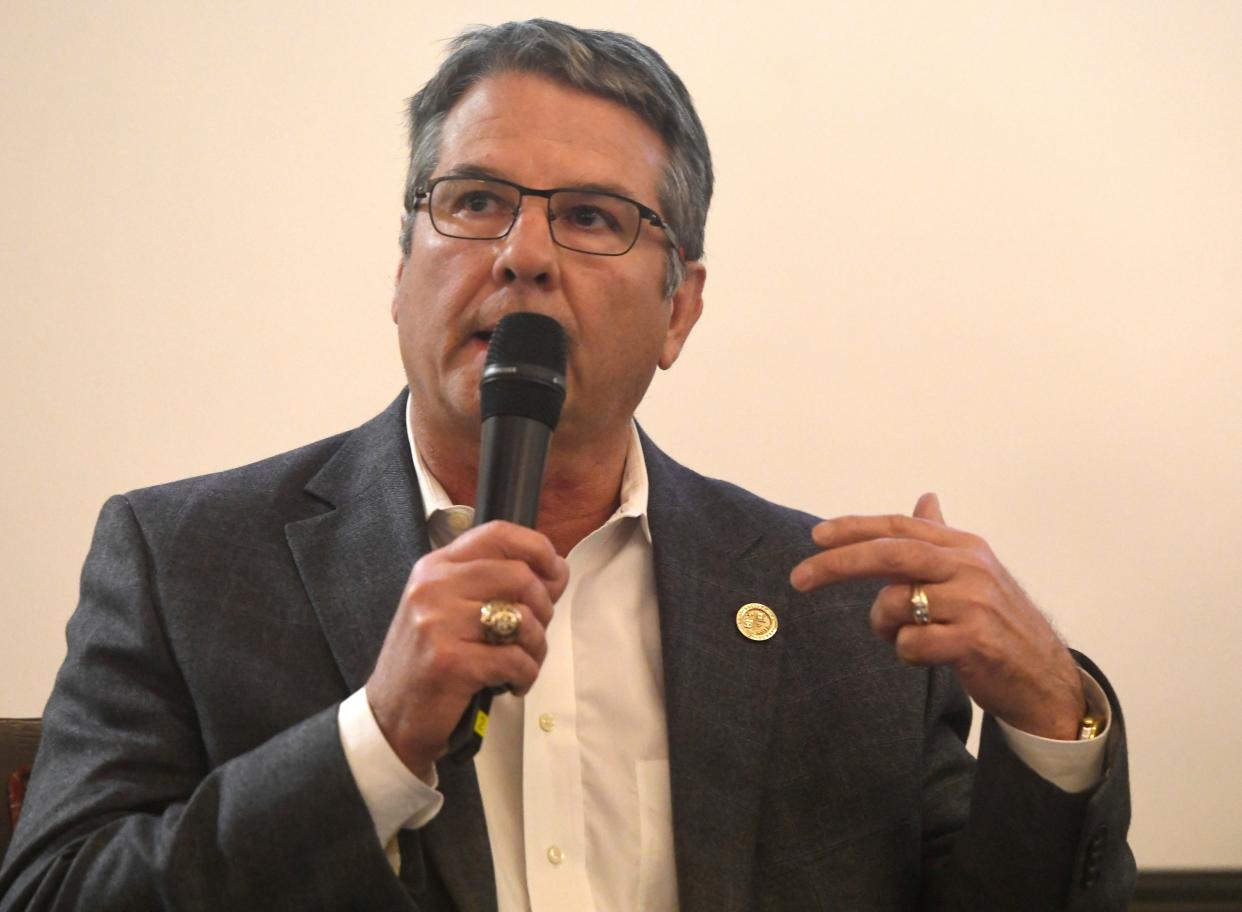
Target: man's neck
column 581, row 485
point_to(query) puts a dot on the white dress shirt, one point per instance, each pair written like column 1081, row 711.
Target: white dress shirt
column 574, row 776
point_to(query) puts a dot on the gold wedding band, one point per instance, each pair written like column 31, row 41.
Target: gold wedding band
column 501, row 621
column 919, row 606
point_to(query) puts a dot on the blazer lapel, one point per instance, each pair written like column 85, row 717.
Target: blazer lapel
column 718, row 684
column 354, row 561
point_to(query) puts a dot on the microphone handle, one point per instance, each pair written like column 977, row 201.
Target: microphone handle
column 513, row 453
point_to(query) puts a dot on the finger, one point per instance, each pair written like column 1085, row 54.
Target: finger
column 559, row 583
column 511, row 580
column 930, row 644
column 505, row 540
column 891, row 558
column 499, row 666
column 523, row 679
column 531, row 634
column 846, row 530
column 928, row 507
column 893, row 609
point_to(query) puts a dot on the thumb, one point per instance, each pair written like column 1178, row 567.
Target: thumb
column 928, row 507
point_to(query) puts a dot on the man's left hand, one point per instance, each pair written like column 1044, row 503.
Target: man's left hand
column 1006, row 654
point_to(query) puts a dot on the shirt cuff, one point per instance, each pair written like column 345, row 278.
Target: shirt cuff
column 396, row 798
column 1072, row 766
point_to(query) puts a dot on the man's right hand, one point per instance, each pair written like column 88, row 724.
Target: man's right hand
column 434, row 658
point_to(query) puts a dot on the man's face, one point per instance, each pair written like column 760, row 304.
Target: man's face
column 451, row 292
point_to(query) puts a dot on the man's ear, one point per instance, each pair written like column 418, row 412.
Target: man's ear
column 687, row 306
column 396, row 287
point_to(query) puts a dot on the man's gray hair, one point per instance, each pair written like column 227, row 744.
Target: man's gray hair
column 606, row 64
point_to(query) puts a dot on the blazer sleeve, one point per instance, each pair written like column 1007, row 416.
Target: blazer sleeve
column 124, row 811
column 1025, row 843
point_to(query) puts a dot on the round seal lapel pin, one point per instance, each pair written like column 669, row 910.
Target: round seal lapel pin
column 756, row 621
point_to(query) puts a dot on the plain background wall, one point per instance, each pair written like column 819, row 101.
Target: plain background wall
column 986, row 249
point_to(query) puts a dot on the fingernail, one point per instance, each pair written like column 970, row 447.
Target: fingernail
column 822, row 533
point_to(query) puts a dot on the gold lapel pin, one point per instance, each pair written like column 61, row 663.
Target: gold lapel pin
column 756, row 622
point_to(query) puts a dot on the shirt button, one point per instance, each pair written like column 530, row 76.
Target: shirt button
column 555, row 855
column 547, row 722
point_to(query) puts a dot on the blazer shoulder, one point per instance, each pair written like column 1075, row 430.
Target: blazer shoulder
column 729, row 507
column 235, row 501
column 779, row 521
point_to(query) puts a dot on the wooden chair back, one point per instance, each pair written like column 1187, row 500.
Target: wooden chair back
column 19, row 739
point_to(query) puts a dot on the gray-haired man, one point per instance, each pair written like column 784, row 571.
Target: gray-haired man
column 259, row 691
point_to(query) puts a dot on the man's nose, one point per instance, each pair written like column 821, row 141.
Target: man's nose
column 528, row 253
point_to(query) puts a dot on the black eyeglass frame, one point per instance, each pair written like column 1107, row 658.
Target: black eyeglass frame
column 645, row 213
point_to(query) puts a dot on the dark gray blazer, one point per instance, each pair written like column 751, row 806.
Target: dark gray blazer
column 191, row 760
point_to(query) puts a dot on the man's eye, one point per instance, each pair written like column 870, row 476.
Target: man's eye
column 478, row 201
column 592, row 218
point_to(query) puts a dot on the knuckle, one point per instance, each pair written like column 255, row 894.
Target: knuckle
column 984, row 598
column 425, row 563
column 976, row 543
column 515, row 578
column 427, row 579
column 496, row 534
column 422, row 625
column 969, row 610
column 533, row 588
column 927, row 552
column 892, row 557
column 444, row 664
column 844, row 528
column 978, row 642
column 975, row 560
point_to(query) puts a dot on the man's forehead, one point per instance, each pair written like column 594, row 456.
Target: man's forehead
column 531, row 129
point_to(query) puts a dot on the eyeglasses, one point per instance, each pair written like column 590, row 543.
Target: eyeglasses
column 589, row 221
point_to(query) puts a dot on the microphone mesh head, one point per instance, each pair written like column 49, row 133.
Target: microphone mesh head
column 524, row 374
column 528, row 338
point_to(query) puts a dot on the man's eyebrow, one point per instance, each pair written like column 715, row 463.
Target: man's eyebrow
column 473, row 171
column 480, row 172
column 614, row 189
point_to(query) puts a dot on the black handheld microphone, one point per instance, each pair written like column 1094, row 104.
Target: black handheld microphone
column 521, row 394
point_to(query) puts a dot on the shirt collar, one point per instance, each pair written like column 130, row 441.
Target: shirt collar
column 446, row 520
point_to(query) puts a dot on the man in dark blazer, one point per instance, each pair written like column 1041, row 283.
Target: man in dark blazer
column 196, row 753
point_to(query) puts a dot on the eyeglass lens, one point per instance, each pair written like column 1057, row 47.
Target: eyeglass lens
column 580, row 219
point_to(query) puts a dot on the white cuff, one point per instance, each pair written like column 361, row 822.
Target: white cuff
column 396, row 798
column 1072, row 766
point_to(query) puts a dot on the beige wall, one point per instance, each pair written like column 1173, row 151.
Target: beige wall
column 987, row 249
